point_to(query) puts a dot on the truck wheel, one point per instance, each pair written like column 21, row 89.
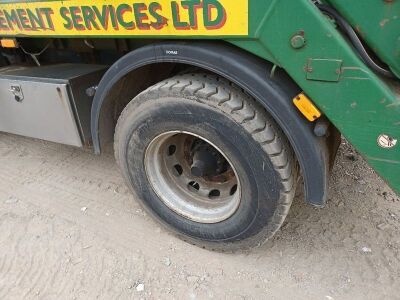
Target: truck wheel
column 207, row 161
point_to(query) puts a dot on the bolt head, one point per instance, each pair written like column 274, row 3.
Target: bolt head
column 298, row 41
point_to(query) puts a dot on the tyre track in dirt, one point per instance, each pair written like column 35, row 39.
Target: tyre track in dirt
column 51, row 249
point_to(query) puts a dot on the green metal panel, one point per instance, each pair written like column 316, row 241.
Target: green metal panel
column 378, row 23
column 323, row 69
column 360, row 104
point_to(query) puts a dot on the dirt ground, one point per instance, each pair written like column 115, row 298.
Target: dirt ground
column 70, row 229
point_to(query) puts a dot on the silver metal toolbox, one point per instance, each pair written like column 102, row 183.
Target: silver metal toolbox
column 49, row 102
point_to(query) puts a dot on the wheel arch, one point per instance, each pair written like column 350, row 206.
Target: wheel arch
column 240, row 67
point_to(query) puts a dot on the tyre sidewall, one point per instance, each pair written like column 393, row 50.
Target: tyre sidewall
column 260, row 185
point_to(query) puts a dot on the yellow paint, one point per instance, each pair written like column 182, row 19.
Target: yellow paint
column 50, row 14
column 306, row 107
column 9, row 43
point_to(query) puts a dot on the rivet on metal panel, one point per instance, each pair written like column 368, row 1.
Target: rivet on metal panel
column 298, row 41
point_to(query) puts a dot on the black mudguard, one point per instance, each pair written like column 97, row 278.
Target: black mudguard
column 251, row 73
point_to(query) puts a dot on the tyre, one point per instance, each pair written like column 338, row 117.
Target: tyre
column 207, row 161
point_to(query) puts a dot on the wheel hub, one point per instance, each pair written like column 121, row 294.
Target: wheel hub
column 207, row 161
column 192, row 177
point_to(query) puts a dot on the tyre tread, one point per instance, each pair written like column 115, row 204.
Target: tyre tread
column 219, row 93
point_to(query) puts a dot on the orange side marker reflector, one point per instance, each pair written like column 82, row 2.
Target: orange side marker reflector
column 9, row 43
column 306, row 107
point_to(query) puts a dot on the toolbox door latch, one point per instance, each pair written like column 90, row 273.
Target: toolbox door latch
column 16, row 90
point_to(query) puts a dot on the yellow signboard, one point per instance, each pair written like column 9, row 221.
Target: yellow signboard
column 124, row 18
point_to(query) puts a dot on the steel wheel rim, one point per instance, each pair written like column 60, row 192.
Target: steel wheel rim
column 205, row 199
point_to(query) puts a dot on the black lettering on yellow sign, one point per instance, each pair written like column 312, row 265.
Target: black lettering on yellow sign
column 136, row 16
